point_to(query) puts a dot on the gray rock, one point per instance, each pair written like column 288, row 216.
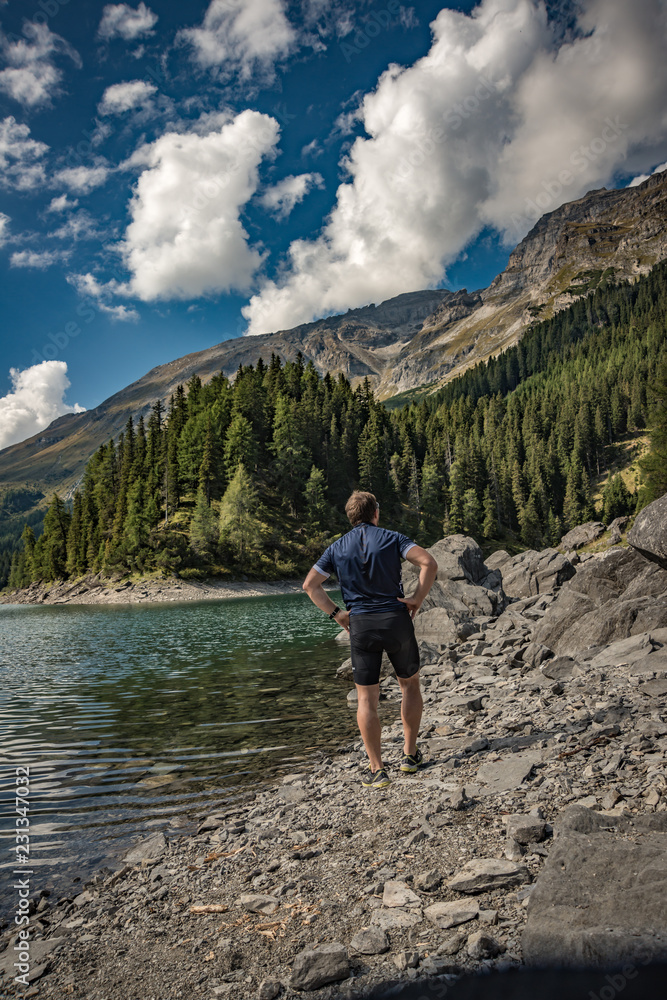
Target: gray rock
column 616, row 529
column 398, row 894
column 370, row 941
column 435, row 625
column 481, row 944
column 509, row 773
column 406, row 960
column 255, row 902
column 531, row 572
column 562, row 668
column 648, row 534
column 390, row 920
column 600, row 899
column 445, row 915
column 428, row 881
column 151, row 848
column 535, row 653
column 268, row 989
column 317, row 967
column 464, row 585
column 526, row 829
column 485, row 874
column 614, row 595
column 584, row 534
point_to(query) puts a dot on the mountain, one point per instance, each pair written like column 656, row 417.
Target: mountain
column 415, row 339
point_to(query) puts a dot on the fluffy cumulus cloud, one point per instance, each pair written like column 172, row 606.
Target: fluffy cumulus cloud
column 119, row 20
column 30, row 74
column 21, row 158
column 186, row 238
column 62, row 204
column 506, row 117
column 121, row 97
column 82, row 179
column 36, row 399
column 283, row 196
column 38, row 260
column 244, row 37
column 4, row 228
column 88, row 287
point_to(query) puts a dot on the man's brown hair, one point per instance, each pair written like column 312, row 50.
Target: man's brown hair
column 361, row 507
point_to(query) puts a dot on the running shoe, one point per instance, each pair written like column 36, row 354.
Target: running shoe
column 375, row 779
column 412, row 762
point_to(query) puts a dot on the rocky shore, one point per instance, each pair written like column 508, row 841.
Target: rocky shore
column 97, row 590
column 536, row 834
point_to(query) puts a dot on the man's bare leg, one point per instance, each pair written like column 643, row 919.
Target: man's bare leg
column 369, row 722
column 412, row 706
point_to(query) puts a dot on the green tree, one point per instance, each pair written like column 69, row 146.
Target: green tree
column 654, row 464
column 317, row 509
column 203, row 535
column 241, row 527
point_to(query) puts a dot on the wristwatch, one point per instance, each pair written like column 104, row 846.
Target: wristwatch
column 334, row 612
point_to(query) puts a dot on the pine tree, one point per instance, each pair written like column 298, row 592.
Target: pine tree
column 239, row 446
column 203, row 535
column 654, row 464
column 241, row 527
column 53, row 547
column 317, row 509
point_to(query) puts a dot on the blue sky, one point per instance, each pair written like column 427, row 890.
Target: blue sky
column 174, row 175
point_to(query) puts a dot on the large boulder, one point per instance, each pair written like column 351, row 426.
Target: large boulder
column 531, row 573
column 465, row 587
column 583, row 534
column 648, row 534
column 601, row 898
column 613, row 595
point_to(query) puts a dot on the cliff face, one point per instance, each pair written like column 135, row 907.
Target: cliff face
column 418, row 338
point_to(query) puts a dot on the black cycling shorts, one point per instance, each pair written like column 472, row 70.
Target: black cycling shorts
column 371, row 635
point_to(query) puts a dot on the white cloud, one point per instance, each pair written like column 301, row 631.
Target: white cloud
column 30, row 75
column 186, row 238
column 505, row 112
column 36, row 399
column 4, row 228
column 644, row 177
column 82, row 180
column 121, row 97
column 122, row 21
column 62, row 204
column 89, row 287
column 80, row 226
column 21, row 165
column 283, row 196
column 241, row 36
column 37, row 259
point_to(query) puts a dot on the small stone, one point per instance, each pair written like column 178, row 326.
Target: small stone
column 406, row 960
column 416, row 837
column 255, row 902
column 452, row 944
column 445, row 915
column 390, row 920
column 317, row 967
column 488, row 917
column 458, row 799
column 483, row 874
column 370, row 941
column 398, row 894
column 428, row 881
column 268, row 989
column 526, row 829
column 483, row 945
column 611, row 798
column 148, row 849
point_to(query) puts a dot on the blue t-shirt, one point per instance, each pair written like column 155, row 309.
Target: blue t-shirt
column 367, row 562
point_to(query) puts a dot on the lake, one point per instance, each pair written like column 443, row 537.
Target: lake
column 140, row 717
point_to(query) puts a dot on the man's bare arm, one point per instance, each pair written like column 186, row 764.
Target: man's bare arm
column 428, row 569
column 313, row 587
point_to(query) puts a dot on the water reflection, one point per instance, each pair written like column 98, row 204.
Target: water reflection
column 131, row 716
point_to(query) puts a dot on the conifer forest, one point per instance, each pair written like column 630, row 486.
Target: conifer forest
column 250, row 475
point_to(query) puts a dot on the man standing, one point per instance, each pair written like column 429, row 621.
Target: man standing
column 367, row 562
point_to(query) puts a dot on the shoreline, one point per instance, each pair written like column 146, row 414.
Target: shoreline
column 93, row 590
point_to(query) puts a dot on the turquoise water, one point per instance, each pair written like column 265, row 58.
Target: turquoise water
column 137, row 717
